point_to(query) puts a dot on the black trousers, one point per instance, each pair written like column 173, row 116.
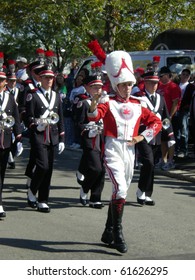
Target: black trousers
column 147, row 155
column 4, row 154
column 41, row 179
column 31, row 162
column 91, row 166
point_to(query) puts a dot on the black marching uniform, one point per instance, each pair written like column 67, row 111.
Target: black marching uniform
column 43, row 142
column 91, row 163
column 29, row 85
column 8, row 107
column 15, row 92
column 148, row 152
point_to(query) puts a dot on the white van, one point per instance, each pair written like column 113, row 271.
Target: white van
column 176, row 60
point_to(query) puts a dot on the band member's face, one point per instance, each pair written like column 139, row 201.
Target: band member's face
column 47, row 82
column 124, row 89
column 2, row 83
column 11, row 83
column 94, row 89
column 151, row 86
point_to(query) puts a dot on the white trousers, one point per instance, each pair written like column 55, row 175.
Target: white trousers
column 119, row 162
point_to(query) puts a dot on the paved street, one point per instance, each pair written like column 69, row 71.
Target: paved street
column 72, row 232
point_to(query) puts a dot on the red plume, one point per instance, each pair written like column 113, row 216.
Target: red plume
column 49, row 53
column 40, row 51
column 11, row 61
column 97, row 50
column 156, row 58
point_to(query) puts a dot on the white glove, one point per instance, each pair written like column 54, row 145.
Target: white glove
column 61, row 147
column 19, row 149
column 41, row 127
column 171, row 143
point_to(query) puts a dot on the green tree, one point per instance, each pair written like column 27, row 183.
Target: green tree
column 64, row 25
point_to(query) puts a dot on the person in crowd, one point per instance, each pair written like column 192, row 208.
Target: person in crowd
column 91, row 171
column 46, row 127
column 21, row 73
column 121, row 116
column 71, row 76
column 172, row 94
column 139, row 86
column 183, row 114
column 148, row 152
column 9, row 123
column 60, row 85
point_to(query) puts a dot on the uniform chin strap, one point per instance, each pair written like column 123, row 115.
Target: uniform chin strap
column 119, row 94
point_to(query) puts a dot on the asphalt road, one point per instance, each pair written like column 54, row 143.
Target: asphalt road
column 72, row 232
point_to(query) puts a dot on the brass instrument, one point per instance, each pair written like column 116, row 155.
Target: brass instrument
column 53, row 118
column 7, row 122
column 166, row 123
column 98, row 127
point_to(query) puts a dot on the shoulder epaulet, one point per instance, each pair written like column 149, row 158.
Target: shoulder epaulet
column 28, row 81
column 140, row 93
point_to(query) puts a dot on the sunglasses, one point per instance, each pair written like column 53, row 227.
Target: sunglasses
column 185, row 74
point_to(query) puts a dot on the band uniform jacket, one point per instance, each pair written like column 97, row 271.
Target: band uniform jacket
column 160, row 109
column 11, row 109
column 35, row 108
column 27, row 86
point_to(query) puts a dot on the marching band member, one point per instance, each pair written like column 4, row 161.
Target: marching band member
column 45, row 122
column 9, row 123
column 12, row 89
column 91, row 168
column 148, row 152
column 122, row 116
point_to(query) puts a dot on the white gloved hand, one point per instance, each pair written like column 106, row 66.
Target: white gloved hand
column 41, row 127
column 171, row 143
column 61, row 147
column 19, row 149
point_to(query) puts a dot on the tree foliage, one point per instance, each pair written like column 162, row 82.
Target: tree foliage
column 64, row 25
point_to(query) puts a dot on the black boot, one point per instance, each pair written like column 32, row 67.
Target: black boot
column 117, row 213
column 107, row 236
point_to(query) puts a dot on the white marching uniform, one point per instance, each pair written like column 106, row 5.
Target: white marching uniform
column 121, row 123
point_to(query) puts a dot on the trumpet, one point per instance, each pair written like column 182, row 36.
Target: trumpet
column 166, row 123
column 8, row 122
column 98, row 127
column 53, row 118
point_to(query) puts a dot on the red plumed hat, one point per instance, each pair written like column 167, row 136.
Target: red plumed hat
column 11, row 62
column 11, row 65
column 40, row 51
column 1, row 57
column 156, row 58
column 97, row 50
column 49, row 53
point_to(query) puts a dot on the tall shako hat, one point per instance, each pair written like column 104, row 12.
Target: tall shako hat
column 11, row 76
column 44, row 71
column 49, row 58
column 94, row 76
column 151, row 76
column 155, row 63
column 11, row 65
column 2, row 68
column 92, row 80
column 119, row 68
column 40, row 54
column 35, row 64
